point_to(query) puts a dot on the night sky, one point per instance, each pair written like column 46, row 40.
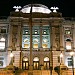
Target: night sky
column 66, row 7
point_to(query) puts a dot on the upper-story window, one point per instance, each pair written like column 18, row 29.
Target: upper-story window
column 25, row 42
column 45, row 37
column 40, row 37
column 44, row 31
column 26, row 37
column 3, row 30
column 68, row 44
column 36, row 31
column 26, row 32
column 67, row 32
column 2, row 43
column 35, row 43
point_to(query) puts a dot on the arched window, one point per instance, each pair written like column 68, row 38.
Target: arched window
column 68, row 44
column 25, row 37
column 25, row 63
column 46, row 63
column 45, row 37
column 36, row 63
column 35, row 43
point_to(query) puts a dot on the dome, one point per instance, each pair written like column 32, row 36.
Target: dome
column 36, row 8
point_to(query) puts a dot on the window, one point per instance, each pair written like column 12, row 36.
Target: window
column 67, row 32
column 26, row 37
column 3, row 30
column 45, row 37
column 36, row 31
column 68, row 44
column 2, row 43
column 44, row 45
column 45, row 41
column 1, row 63
column 25, row 41
column 26, row 31
column 36, row 65
column 69, row 61
column 35, row 46
column 44, row 31
column 35, row 42
column 26, row 45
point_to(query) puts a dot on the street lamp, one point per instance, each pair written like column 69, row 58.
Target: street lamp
column 11, row 55
column 61, row 56
column 71, row 53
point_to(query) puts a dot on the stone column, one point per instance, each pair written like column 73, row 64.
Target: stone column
column 61, row 38
column 53, row 39
column 19, row 44
column 51, row 57
column 40, row 36
column 10, row 38
column 19, row 38
column 31, row 48
column 30, row 27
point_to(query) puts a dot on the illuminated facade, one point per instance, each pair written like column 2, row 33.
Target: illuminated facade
column 36, row 39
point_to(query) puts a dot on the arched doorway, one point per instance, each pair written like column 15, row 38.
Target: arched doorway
column 25, row 63
column 36, row 63
column 46, row 63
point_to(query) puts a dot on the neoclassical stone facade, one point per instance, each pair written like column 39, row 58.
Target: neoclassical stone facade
column 36, row 38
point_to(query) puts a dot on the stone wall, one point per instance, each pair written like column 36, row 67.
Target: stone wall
column 35, row 72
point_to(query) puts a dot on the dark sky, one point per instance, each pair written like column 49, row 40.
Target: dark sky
column 66, row 7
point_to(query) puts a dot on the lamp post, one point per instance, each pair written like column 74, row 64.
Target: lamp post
column 71, row 53
column 11, row 55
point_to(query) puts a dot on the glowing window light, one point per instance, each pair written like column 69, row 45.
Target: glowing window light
column 36, row 40
column 46, row 59
column 25, row 59
column 2, row 45
column 45, row 40
column 36, row 9
column 11, row 54
column 2, row 39
column 68, row 47
column 36, row 59
column 26, row 40
column 71, row 53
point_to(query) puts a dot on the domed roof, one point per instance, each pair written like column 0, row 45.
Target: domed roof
column 36, row 8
